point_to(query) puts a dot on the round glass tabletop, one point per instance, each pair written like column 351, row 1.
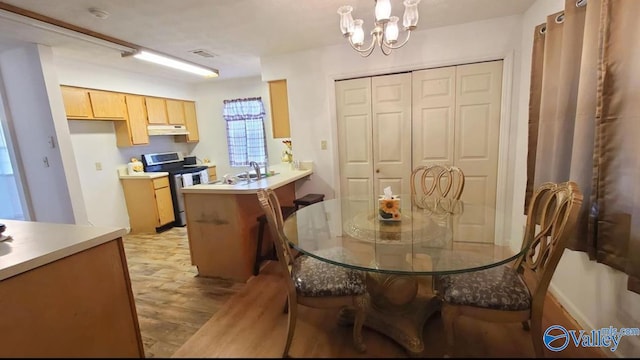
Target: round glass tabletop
column 436, row 237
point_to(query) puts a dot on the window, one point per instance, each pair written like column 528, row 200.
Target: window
column 245, row 131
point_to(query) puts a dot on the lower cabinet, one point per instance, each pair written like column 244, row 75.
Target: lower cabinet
column 149, row 203
column 80, row 306
column 212, row 173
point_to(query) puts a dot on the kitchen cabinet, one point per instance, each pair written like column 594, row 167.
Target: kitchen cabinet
column 89, row 104
column 212, row 173
column 175, row 112
column 134, row 130
column 149, row 203
column 191, row 122
column 279, row 108
column 65, row 292
column 156, row 110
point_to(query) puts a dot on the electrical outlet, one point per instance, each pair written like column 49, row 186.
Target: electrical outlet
column 98, row 166
column 323, row 144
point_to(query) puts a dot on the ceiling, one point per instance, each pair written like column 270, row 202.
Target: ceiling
column 237, row 32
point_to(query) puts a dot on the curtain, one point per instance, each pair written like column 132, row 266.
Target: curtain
column 245, row 131
column 584, row 123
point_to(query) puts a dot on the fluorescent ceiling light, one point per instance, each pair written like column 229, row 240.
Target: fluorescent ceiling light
column 173, row 63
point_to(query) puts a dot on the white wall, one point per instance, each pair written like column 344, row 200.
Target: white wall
column 35, row 113
column 95, row 141
column 594, row 294
column 213, row 131
column 310, row 79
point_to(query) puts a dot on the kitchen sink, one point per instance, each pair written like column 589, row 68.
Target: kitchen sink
column 244, row 176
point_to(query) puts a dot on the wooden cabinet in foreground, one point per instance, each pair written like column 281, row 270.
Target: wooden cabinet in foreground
column 279, row 108
column 89, row 104
column 149, row 203
column 65, row 292
column 134, row 130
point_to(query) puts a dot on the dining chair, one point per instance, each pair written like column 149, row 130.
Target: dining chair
column 516, row 292
column 434, row 182
column 311, row 282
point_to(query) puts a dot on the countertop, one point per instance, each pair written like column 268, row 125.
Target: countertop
column 122, row 172
column 34, row 244
column 285, row 176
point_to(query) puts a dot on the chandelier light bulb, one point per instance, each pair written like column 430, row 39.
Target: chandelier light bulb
column 357, row 38
column 383, row 10
column 410, row 17
column 346, row 20
column 391, row 30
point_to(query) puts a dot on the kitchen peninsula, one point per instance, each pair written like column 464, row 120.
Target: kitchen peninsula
column 222, row 226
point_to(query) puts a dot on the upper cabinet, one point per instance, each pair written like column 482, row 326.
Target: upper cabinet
column 156, row 110
column 134, row 130
column 91, row 104
column 137, row 111
column 165, row 111
column 175, row 112
column 191, row 122
column 279, row 108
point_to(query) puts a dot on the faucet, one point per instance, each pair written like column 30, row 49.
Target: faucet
column 256, row 168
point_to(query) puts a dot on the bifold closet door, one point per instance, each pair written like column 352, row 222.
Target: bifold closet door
column 456, row 121
column 374, row 134
column 391, row 106
column 477, row 136
column 353, row 104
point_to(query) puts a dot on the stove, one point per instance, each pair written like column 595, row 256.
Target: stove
column 180, row 175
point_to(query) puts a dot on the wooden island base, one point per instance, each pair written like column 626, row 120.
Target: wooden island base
column 222, row 230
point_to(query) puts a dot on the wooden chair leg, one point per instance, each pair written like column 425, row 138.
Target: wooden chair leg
column 536, row 337
column 360, row 303
column 291, row 327
column 449, row 314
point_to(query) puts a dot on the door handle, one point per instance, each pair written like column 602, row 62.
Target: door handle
column 377, row 171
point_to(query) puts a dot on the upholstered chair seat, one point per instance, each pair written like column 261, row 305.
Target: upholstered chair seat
column 496, row 288
column 313, row 277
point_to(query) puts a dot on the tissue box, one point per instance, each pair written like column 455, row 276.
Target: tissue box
column 389, row 209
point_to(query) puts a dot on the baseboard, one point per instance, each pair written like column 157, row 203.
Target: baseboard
column 573, row 312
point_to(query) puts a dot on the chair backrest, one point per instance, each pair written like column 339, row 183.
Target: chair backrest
column 551, row 221
column 271, row 206
column 436, row 182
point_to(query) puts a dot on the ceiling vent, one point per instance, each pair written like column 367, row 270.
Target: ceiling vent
column 203, row 53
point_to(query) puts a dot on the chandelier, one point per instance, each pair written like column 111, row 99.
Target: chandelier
column 385, row 32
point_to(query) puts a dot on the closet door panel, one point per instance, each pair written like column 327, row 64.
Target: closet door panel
column 477, row 134
column 353, row 103
column 433, row 110
column 391, row 112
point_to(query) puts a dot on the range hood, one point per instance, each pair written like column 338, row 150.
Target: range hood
column 167, row 130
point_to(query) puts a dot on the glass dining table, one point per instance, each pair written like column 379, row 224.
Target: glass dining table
column 400, row 255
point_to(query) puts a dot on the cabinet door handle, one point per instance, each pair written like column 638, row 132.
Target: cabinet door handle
column 377, row 171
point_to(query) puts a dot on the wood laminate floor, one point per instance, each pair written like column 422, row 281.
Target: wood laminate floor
column 172, row 301
column 184, row 315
